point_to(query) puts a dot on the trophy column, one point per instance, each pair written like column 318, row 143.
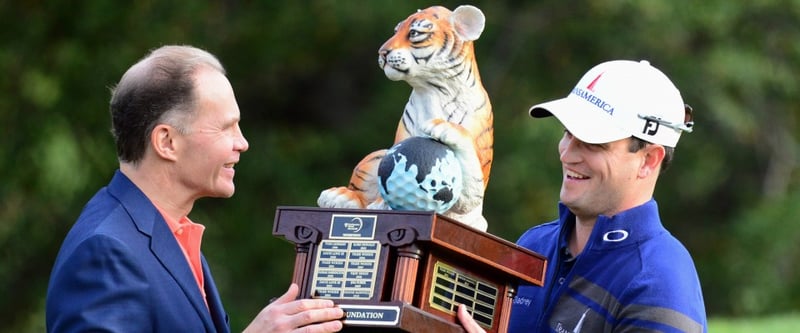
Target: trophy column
column 300, row 264
column 405, row 274
column 505, row 313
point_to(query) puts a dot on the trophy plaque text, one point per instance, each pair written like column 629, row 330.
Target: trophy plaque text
column 405, row 271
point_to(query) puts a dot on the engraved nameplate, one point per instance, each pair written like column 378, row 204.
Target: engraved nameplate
column 346, row 265
column 453, row 287
column 371, row 314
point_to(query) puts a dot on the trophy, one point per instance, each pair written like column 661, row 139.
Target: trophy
column 404, row 243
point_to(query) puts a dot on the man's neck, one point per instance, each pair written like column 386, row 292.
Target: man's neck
column 580, row 235
column 160, row 188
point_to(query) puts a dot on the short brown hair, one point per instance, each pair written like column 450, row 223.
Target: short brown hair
column 157, row 89
column 637, row 144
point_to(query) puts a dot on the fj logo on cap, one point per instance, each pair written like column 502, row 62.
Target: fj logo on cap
column 650, row 127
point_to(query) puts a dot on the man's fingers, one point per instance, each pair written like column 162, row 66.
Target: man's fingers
column 470, row 325
column 289, row 295
column 288, row 314
column 304, row 305
column 330, row 326
column 290, row 305
column 319, row 320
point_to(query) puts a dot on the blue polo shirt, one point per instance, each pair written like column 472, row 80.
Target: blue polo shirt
column 632, row 275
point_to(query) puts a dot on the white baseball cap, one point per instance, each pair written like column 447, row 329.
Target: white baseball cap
column 619, row 99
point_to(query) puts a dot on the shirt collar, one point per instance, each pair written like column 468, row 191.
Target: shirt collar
column 632, row 226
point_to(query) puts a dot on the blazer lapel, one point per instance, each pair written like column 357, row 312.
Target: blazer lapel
column 163, row 244
column 167, row 250
column 214, row 301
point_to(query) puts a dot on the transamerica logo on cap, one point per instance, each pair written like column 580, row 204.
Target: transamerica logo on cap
column 591, row 98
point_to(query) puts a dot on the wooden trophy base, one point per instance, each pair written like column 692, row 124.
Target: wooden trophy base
column 405, row 271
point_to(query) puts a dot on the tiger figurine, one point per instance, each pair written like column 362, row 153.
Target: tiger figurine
column 432, row 50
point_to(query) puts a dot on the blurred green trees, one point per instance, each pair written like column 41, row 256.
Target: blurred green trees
column 314, row 102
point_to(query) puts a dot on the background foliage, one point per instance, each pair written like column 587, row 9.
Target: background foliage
column 314, row 102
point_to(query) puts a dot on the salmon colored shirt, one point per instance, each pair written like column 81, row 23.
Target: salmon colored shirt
column 189, row 236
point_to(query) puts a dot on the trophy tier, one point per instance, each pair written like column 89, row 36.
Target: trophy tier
column 405, row 271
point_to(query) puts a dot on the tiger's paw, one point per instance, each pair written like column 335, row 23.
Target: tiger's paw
column 339, row 197
column 379, row 204
column 452, row 135
column 457, row 138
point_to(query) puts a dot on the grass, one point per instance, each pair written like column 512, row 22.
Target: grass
column 786, row 323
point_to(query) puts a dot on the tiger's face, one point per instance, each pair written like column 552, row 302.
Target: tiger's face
column 430, row 41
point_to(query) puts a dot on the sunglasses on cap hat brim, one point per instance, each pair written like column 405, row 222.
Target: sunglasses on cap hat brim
column 686, row 126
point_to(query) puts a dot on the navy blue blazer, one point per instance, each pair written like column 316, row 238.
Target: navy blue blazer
column 120, row 269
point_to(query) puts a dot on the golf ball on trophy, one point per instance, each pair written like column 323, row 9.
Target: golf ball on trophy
column 421, row 174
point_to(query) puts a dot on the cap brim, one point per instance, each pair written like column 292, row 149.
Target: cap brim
column 588, row 126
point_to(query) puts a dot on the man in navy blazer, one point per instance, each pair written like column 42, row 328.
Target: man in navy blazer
column 132, row 261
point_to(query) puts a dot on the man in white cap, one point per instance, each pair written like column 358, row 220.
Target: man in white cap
column 612, row 266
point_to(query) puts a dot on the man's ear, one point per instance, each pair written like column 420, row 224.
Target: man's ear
column 651, row 163
column 163, row 141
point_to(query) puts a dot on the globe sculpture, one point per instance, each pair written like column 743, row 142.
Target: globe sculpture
column 420, row 173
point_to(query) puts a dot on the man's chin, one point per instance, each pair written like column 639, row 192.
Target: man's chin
column 223, row 193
